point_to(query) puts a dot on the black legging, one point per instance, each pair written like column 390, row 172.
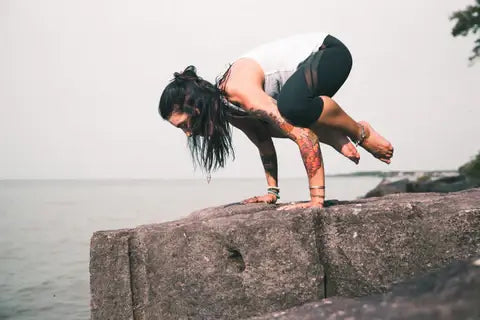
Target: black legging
column 321, row 74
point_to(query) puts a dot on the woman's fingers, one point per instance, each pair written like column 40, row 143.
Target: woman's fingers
column 301, row 205
column 268, row 198
column 251, row 200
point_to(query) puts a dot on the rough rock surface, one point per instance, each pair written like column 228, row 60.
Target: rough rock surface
column 237, row 261
column 451, row 293
column 243, row 260
column 369, row 245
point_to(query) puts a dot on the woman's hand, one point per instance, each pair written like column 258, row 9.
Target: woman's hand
column 268, row 198
column 302, row 205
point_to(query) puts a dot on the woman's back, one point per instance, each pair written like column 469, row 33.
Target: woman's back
column 279, row 59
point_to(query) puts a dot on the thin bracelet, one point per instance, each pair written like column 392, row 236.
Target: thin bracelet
column 274, row 193
column 317, row 187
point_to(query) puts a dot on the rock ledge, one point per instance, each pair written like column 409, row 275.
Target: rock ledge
column 238, row 261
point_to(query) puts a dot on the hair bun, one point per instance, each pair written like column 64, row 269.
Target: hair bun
column 189, row 74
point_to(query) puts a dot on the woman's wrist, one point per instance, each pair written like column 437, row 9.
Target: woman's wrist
column 317, row 193
column 317, row 199
column 274, row 190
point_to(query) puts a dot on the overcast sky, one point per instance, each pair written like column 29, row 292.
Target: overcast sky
column 80, row 82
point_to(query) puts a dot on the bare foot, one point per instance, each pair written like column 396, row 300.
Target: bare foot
column 348, row 150
column 377, row 145
column 338, row 141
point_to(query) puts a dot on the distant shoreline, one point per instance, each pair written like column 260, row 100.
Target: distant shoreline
column 391, row 174
column 379, row 174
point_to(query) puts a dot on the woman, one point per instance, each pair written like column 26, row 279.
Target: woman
column 301, row 74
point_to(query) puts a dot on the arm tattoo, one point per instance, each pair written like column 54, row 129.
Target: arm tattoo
column 310, row 151
column 307, row 140
column 270, row 164
column 276, row 120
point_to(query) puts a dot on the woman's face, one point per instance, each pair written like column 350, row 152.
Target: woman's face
column 182, row 120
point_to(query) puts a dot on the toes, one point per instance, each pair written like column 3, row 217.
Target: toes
column 377, row 145
column 351, row 153
column 354, row 159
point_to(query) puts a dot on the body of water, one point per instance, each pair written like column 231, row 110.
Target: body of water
column 45, row 229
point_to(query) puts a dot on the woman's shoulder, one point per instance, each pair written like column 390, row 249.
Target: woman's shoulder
column 245, row 67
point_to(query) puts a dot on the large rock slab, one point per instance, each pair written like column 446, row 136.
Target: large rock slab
column 451, row 293
column 237, row 261
column 245, row 260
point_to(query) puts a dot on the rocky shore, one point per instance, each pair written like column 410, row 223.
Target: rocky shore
column 239, row 261
column 424, row 182
column 466, row 177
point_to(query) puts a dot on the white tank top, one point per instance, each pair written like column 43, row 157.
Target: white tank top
column 279, row 59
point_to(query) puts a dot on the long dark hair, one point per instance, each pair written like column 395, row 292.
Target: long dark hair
column 211, row 141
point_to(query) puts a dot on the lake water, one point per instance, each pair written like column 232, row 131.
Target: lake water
column 45, row 229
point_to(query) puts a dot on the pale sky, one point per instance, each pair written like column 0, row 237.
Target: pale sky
column 80, row 82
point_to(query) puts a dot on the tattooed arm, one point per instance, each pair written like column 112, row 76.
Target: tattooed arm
column 259, row 135
column 264, row 107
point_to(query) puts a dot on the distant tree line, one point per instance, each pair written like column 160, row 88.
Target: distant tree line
column 468, row 20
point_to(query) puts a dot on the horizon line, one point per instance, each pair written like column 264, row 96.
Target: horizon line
column 356, row 173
